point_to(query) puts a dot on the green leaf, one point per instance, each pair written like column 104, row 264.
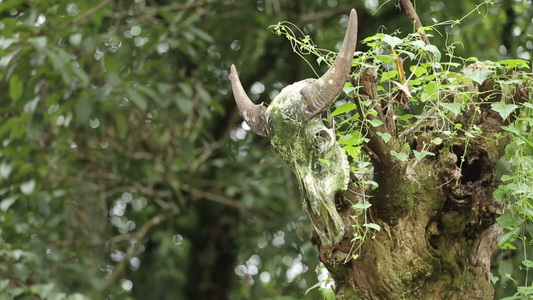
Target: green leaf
column 385, row 136
column 7, row 202
column 419, row 71
column 5, row 169
column 43, row 290
column 527, row 211
column 354, row 138
column 430, row 92
column 392, row 40
column 35, row 126
column 203, row 94
column 137, row 99
column 362, row 205
column 528, row 105
column 202, row 34
column 374, row 226
column 111, row 64
column 388, row 75
column 325, row 161
column 184, row 104
column 374, row 184
column 317, row 285
column 16, row 87
column 75, row 39
column 148, row 91
column 3, row 284
column 508, row 246
column 420, row 155
column 348, row 89
column 493, row 278
column 507, row 178
column 514, row 63
column 525, row 290
column 508, row 221
column 121, row 124
column 78, row 296
column 477, row 75
column 418, row 44
column 84, row 108
column 433, row 49
column 39, row 42
column 59, row 60
column 353, row 151
column 503, row 109
column 404, row 117
column 500, row 194
column 376, row 123
column 80, row 73
column 527, row 263
column 186, row 89
column 347, row 107
column 454, row 108
column 27, row 187
column 387, row 59
column 509, row 236
column 399, row 155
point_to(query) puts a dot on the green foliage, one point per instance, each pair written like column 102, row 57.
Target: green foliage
column 122, row 163
column 430, row 84
column 516, row 190
column 114, row 129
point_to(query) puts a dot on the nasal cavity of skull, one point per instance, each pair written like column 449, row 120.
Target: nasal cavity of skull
column 471, row 169
column 322, row 140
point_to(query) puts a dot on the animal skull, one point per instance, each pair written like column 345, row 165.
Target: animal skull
column 293, row 121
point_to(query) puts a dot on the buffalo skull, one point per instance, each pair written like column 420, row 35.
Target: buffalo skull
column 293, row 122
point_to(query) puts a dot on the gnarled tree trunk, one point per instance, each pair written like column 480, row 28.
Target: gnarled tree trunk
column 437, row 215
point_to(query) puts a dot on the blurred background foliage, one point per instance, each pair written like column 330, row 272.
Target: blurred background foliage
column 125, row 169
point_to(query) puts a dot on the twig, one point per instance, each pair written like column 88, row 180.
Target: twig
column 313, row 16
column 416, row 124
column 181, row 6
column 377, row 148
column 413, row 16
column 138, row 237
column 86, row 14
column 196, row 193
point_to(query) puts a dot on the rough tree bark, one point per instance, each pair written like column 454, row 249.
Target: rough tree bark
column 437, row 215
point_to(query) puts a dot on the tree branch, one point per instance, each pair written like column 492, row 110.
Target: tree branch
column 86, row 14
column 138, row 238
column 196, row 193
column 377, row 148
column 324, row 14
column 413, row 16
column 417, row 124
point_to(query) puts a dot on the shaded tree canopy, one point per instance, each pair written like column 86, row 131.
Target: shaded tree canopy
column 125, row 169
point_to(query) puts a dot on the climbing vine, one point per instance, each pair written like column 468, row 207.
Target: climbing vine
column 418, row 84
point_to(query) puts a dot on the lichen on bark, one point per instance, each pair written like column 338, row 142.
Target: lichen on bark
column 437, row 214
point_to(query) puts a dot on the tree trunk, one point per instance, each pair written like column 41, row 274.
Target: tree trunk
column 437, row 216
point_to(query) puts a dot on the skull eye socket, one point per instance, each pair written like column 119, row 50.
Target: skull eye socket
column 322, row 140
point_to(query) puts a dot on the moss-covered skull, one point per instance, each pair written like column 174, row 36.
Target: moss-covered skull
column 293, row 123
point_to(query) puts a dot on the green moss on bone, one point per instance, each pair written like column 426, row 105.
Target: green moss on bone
column 302, row 144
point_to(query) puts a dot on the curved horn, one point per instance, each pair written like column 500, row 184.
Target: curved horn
column 253, row 114
column 321, row 94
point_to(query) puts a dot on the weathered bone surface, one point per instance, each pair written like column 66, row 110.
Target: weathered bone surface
column 299, row 137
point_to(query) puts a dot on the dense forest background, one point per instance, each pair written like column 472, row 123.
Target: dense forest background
column 125, row 169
